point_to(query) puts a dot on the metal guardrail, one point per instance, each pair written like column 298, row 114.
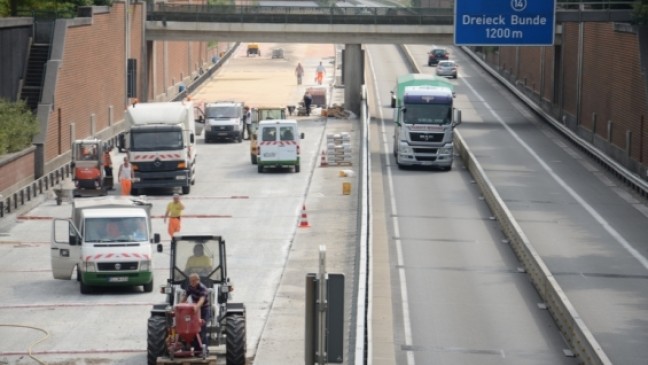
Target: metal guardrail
column 568, row 320
column 566, row 10
column 36, row 188
column 299, row 15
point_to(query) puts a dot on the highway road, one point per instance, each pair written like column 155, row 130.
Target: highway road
column 459, row 294
column 257, row 214
column 446, row 286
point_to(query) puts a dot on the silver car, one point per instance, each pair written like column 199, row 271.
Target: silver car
column 447, row 68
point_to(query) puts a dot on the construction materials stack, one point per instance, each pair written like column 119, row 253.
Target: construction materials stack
column 338, row 148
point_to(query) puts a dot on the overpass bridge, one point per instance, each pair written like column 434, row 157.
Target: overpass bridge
column 352, row 26
column 342, row 25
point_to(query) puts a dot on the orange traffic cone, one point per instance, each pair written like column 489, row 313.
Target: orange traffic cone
column 323, row 161
column 303, row 222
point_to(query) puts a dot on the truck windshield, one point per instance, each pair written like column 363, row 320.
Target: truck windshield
column 223, row 112
column 101, row 230
column 428, row 114
column 156, row 140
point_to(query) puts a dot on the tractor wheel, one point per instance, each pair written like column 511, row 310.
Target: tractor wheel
column 155, row 336
column 235, row 346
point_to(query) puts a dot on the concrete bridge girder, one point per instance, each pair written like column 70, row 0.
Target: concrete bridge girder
column 301, row 33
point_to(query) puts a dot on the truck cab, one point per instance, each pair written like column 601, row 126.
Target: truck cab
column 224, row 121
column 424, row 122
column 108, row 241
column 161, row 145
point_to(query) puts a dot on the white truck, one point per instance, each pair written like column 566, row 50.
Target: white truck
column 161, row 144
column 424, row 119
column 108, row 241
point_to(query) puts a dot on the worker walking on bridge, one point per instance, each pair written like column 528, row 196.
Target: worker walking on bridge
column 299, row 72
column 320, row 72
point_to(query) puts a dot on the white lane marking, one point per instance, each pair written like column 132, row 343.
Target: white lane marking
column 407, row 327
column 625, row 244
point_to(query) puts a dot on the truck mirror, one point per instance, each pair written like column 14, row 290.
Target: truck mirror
column 457, row 118
column 159, row 247
column 393, row 99
column 302, row 135
column 121, row 141
column 156, row 238
column 200, row 119
column 192, row 138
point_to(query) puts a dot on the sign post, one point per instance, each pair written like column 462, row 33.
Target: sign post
column 505, row 22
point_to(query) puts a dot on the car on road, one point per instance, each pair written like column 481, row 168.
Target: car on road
column 437, row 54
column 447, row 68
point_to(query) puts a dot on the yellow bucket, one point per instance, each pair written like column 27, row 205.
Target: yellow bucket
column 346, row 188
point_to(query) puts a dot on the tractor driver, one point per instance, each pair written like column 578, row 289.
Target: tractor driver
column 197, row 294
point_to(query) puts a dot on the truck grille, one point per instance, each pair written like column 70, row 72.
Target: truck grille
column 222, row 128
column 157, row 165
column 426, row 137
column 117, row 266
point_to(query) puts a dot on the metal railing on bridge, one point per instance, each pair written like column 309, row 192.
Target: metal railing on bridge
column 566, row 10
column 299, row 15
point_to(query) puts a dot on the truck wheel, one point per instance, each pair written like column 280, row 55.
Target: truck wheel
column 235, row 346
column 186, row 189
column 260, row 168
column 148, row 287
column 155, row 336
column 253, row 159
column 84, row 288
column 134, row 192
column 297, row 168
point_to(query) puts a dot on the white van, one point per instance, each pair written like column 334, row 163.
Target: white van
column 278, row 144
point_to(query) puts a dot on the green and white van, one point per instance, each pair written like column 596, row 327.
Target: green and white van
column 278, row 144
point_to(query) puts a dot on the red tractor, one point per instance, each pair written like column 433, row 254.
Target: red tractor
column 175, row 330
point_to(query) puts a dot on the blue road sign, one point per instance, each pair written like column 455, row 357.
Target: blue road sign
column 505, row 22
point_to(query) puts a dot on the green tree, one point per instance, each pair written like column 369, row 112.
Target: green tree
column 18, row 126
column 640, row 12
column 23, row 7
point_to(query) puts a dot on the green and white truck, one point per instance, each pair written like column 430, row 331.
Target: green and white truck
column 424, row 118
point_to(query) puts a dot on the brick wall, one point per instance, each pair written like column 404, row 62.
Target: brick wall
column 612, row 88
column 16, row 170
column 91, row 78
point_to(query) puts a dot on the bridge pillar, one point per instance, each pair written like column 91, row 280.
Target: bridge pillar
column 353, row 77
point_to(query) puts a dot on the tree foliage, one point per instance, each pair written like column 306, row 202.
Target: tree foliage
column 641, row 12
column 25, row 7
column 17, row 126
